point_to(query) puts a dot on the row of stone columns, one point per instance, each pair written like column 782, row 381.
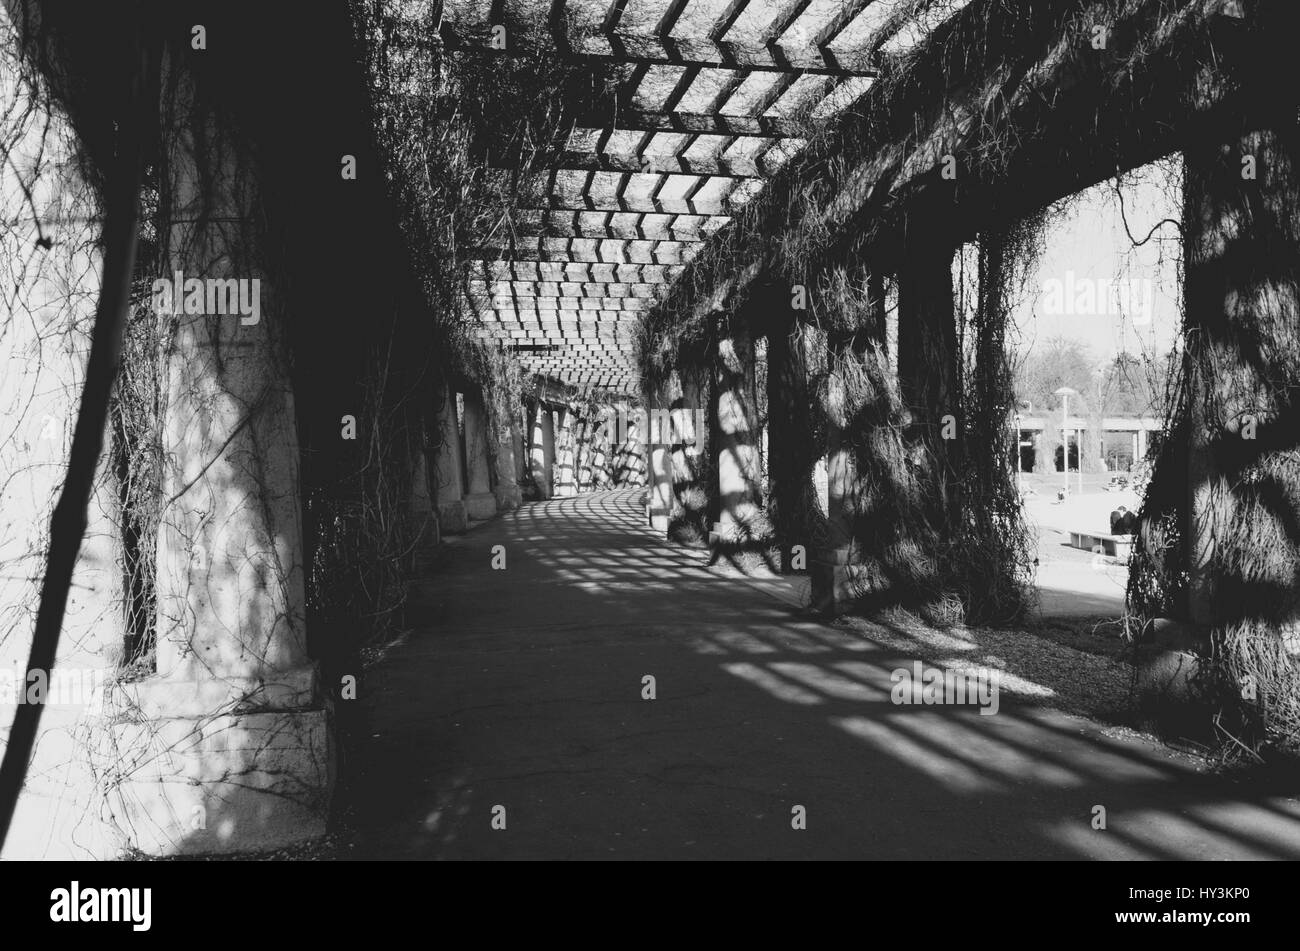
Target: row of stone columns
column 929, row 381
column 467, row 485
column 547, row 444
column 229, row 744
column 1218, row 199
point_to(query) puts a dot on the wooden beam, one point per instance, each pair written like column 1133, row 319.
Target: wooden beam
column 761, row 57
column 629, row 252
column 612, row 366
column 539, row 290
column 567, row 271
column 524, row 335
column 556, row 223
column 507, row 339
column 847, row 13
column 646, row 206
column 704, row 123
column 716, row 166
column 593, row 322
column 626, row 47
column 561, row 303
column 893, row 163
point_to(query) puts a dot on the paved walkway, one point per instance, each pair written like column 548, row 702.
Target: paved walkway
column 1072, row 582
column 522, row 688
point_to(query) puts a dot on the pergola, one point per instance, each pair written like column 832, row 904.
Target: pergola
column 297, row 469
column 713, row 98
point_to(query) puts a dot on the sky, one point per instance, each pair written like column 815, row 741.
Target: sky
column 1090, row 283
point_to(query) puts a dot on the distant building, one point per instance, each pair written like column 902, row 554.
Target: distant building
column 1124, row 441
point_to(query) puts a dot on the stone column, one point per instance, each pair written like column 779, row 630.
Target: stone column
column 687, row 429
column 833, row 561
column 228, row 745
column 628, row 449
column 927, row 371
column 480, row 503
column 791, row 453
column 1242, row 242
column 507, row 487
column 448, row 487
column 602, row 438
column 56, row 816
column 42, row 372
column 583, row 453
column 520, row 449
column 423, row 515
column 565, row 484
column 691, row 451
column 534, row 457
column 738, row 465
column 834, row 567
column 542, row 450
column 548, row 450
column 1237, row 488
column 659, row 457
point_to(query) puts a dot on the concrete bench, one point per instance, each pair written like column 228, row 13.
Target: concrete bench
column 1119, row 547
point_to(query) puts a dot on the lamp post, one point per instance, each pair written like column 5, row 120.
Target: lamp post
column 1098, row 413
column 1065, row 393
column 1027, row 406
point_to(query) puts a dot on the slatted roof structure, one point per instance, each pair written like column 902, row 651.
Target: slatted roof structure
column 713, row 97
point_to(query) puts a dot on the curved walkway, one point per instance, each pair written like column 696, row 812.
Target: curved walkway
column 522, row 687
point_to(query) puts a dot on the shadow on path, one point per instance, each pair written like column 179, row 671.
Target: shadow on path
column 522, row 688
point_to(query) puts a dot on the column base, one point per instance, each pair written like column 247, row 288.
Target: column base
column 750, row 529
column 509, row 496
column 1171, row 696
column 190, row 767
column 452, row 519
column 480, row 505
column 544, row 486
column 834, row 582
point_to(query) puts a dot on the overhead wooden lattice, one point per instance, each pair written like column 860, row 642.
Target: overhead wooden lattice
column 713, row 97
